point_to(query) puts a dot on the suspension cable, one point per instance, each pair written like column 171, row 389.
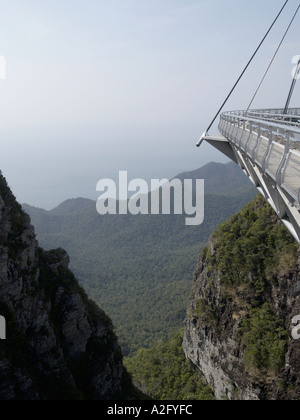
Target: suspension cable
column 242, row 74
column 273, row 59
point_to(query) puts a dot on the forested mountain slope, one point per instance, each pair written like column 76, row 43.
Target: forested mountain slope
column 246, row 293
column 139, row 268
column 164, row 373
column 240, row 332
column 59, row 344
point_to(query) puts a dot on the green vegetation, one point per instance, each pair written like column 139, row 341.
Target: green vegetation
column 253, row 242
column 18, row 220
column 206, row 313
column 43, row 313
column 139, row 269
column 164, row 373
column 265, row 341
column 56, row 279
column 251, row 252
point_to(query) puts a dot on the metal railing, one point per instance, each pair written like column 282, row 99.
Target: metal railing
column 271, row 140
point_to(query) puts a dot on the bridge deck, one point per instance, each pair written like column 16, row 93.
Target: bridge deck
column 266, row 144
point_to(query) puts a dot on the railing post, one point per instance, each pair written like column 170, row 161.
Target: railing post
column 231, row 127
column 249, row 139
column 280, row 170
column 264, row 161
column 257, row 144
column 242, row 135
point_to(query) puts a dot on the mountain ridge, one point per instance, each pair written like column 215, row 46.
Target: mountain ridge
column 122, row 260
column 239, row 316
column 227, row 175
column 59, row 344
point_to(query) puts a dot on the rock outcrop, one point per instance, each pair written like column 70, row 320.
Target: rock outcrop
column 238, row 329
column 59, row 344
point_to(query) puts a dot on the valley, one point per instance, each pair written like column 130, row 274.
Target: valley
column 139, row 269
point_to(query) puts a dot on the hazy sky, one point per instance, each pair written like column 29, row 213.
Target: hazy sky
column 98, row 86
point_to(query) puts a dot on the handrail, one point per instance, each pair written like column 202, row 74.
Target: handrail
column 279, row 124
column 266, row 145
column 271, row 143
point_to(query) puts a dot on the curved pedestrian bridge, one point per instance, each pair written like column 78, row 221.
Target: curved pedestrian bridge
column 266, row 144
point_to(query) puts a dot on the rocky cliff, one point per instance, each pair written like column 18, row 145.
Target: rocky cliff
column 239, row 320
column 59, row 344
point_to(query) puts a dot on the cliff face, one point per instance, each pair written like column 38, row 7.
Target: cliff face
column 239, row 320
column 59, row 344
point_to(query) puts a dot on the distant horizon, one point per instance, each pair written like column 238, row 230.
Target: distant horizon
column 96, row 194
column 91, row 88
